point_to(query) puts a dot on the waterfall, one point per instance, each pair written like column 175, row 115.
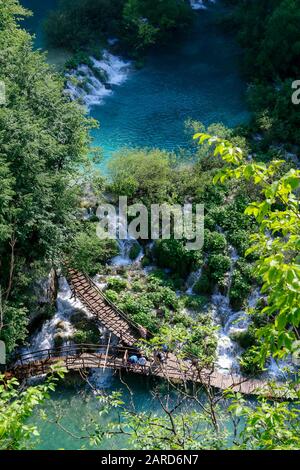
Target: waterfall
column 227, row 350
column 192, row 281
column 125, row 246
column 60, row 323
column 90, row 84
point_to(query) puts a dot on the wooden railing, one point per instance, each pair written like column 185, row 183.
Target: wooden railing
column 137, row 331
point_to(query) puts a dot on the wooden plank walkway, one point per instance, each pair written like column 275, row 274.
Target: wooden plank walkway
column 108, row 314
column 78, row 357
column 115, row 358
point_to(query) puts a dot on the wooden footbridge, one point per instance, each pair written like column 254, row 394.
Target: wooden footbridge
column 116, row 321
column 78, row 357
column 81, row 357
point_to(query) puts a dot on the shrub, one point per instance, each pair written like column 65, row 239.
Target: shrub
column 112, row 295
column 172, row 254
column 195, row 302
column 249, row 362
column 214, row 242
column 116, row 284
column 246, row 339
column 134, row 251
column 88, row 253
column 204, row 285
column 218, row 265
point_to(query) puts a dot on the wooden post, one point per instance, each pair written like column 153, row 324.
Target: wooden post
column 107, row 351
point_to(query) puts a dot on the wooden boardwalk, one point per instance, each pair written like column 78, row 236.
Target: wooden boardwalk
column 116, row 321
column 78, row 357
column 116, row 358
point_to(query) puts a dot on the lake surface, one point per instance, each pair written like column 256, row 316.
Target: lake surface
column 197, row 78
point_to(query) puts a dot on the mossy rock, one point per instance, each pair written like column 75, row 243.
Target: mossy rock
column 134, row 251
column 78, row 317
column 204, row 285
column 59, row 339
column 145, row 262
column 245, row 339
column 87, row 330
column 86, row 336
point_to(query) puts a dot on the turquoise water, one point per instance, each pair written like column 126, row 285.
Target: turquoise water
column 34, row 24
column 76, row 407
column 197, row 78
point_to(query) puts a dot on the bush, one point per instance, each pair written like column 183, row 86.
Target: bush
column 88, row 253
column 164, row 296
column 202, row 344
column 204, row 285
column 140, row 174
column 195, row 302
column 214, row 242
column 240, row 240
column 242, row 283
column 182, row 319
column 116, row 284
column 172, row 254
column 78, row 59
column 249, row 362
column 246, row 339
column 86, row 337
column 218, row 265
column 134, row 251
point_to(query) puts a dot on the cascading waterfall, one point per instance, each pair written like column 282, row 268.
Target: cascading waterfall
column 192, row 281
column 90, row 84
column 44, row 339
column 125, row 246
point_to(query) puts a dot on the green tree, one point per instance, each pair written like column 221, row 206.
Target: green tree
column 276, row 243
column 149, row 21
column 44, row 145
column 141, row 175
column 17, row 406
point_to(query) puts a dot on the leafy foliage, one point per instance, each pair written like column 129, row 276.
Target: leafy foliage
column 17, row 406
column 276, row 242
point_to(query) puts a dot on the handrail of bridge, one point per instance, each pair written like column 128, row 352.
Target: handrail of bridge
column 120, row 312
column 69, row 350
column 94, row 356
column 40, row 359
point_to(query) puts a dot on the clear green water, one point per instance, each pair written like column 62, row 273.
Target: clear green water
column 77, row 406
column 197, row 78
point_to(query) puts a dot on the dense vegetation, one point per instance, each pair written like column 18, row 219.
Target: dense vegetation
column 43, row 146
column 80, row 25
column 268, row 31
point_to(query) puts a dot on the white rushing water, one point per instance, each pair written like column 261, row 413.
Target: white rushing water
column 92, row 84
column 126, row 244
column 200, row 4
column 60, row 323
column 192, row 281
